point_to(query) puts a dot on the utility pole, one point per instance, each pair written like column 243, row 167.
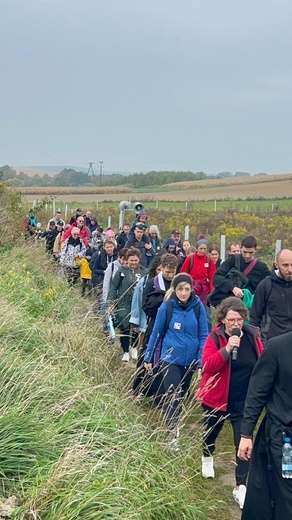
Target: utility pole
column 90, row 169
column 100, row 171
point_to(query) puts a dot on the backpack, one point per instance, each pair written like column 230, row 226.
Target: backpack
column 264, row 328
column 268, row 290
column 169, row 313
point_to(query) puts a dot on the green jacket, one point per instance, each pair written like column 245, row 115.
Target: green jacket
column 121, row 293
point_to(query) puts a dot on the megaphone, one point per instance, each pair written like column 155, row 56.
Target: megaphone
column 138, row 207
column 124, row 204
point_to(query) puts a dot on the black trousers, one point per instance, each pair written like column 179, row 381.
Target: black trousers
column 72, row 275
column 176, row 380
column 213, row 424
column 128, row 338
column 86, row 282
column 269, row 495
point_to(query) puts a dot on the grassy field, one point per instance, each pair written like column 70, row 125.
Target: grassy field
column 265, row 187
column 74, row 443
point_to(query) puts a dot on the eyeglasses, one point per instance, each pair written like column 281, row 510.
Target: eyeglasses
column 232, row 321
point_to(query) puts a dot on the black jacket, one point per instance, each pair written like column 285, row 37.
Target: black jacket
column 98, row 264
column 122, row 240
column 259, row 271
column 146, row 254
column 271, row 385
column 272, row 306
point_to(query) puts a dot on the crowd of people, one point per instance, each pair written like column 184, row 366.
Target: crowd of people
column 180, row 310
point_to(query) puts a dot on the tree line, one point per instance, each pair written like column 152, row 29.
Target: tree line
column 71, row 177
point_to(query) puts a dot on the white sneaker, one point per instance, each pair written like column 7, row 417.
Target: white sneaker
column 134, row 353
column 208, row 467
column 174, row 445
column 126, row 357
column 239, row 495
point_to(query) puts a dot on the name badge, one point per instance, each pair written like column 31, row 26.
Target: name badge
column 177, row 326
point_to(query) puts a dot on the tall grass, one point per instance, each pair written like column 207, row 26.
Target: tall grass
column 74, row 442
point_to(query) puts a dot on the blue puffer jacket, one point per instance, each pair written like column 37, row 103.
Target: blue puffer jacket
column 185, row 337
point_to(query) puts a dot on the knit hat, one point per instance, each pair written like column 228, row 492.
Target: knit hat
column 202, row 240
column 182, row 278
column 110, row 233
column 170, row 242
column 75, row 230
column 153, row 229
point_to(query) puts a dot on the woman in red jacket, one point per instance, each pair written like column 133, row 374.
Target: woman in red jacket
column 201, row 268
column 230, row 353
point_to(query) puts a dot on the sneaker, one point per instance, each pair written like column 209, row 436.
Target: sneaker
column 134, row 353
column 126, row 357
column 174, row 445
column 239, row 495
column 208, row 467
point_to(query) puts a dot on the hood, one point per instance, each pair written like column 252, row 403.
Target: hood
column 170, row 242
column 277, row 279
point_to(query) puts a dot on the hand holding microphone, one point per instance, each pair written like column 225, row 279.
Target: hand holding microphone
column 234, row 341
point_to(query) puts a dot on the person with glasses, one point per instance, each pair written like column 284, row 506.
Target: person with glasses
column 84, row 232
column 229, row 355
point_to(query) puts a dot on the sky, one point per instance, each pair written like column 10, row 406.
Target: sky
column 200, row 85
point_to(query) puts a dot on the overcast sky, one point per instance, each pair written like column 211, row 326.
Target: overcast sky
column 147, row 84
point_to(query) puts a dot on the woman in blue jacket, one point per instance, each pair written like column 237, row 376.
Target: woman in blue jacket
column 183, row 330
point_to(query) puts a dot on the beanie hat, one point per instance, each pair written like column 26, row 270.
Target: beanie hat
column 182, row 278
column 201, row 240
column 110, row 233
column 75, row 230
column 170, row 242
column 153, row 229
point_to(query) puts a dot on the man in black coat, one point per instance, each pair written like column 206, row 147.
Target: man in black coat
column 269, row 495
column 225, row 284
column 123, row 237
column 141, row 241
column 272, row 305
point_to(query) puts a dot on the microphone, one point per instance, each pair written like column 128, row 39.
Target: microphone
column 235, row 332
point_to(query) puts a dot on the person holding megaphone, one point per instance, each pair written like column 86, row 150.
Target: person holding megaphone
column 229, row 355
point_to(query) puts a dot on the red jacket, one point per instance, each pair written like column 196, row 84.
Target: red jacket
column 84, row 233
column 214, row 387
column 202, row 270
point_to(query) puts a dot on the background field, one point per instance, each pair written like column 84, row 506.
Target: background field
column 265, row 187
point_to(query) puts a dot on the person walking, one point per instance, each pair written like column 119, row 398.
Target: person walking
column 272, row 304
column 120, row 296
column 230, row 353
column 73, row 248
column 269, row 495
column 181, row 324
column 201, row 268
column 238, row 272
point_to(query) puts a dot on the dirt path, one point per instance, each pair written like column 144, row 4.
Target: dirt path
column 227, row 479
